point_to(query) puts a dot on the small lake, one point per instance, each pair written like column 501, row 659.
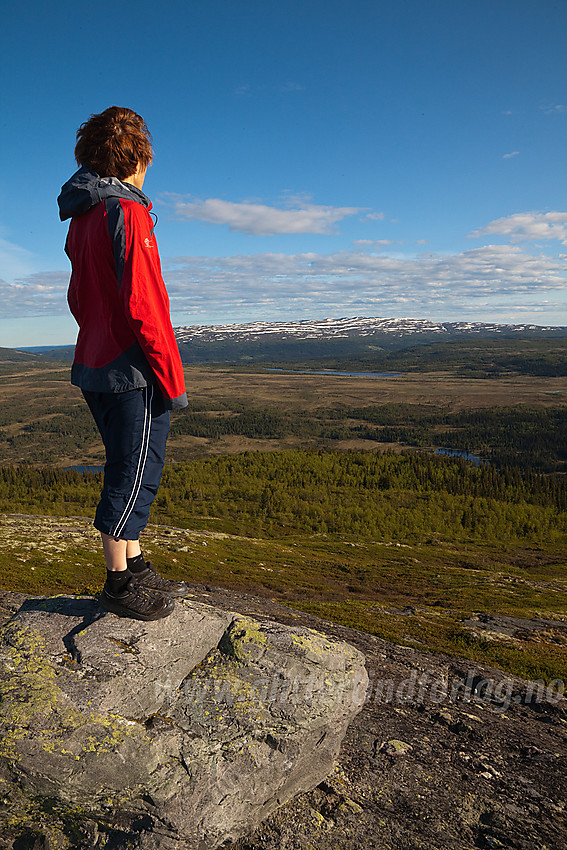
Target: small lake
column 334, row 373
column 83, row 469
column 459, row 453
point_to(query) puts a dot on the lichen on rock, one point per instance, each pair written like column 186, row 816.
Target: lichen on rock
column 204, row 722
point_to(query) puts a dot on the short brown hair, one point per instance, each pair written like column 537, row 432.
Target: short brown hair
column 113, row 142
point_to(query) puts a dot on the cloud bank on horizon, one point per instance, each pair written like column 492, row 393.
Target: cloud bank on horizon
column 506, row 280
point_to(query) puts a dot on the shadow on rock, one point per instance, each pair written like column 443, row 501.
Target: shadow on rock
column 85, row 607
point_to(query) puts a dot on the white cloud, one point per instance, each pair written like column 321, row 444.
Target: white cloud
column 14, row 261
column 378, row 244
column 510, row 155
column 554, row 108
column 527, row 226
column 290, row 86
column 375, row 216
column 259, row 219
column 40, row 294
column 243, row 90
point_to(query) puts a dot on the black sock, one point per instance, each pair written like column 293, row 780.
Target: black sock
column 118, row 579
column 136, row 564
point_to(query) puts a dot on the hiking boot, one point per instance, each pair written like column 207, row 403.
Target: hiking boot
column 153, row 581
column 137, row 602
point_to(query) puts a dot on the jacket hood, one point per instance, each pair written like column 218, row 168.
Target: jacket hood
column 86, row 188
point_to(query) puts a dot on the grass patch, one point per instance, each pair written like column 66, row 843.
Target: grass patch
column 360, row 585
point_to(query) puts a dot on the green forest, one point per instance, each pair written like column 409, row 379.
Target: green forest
column 356, row 495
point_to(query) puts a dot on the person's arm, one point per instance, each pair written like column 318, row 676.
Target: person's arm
column 146, row 303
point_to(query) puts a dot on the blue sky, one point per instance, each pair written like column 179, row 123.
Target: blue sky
column 315, row 158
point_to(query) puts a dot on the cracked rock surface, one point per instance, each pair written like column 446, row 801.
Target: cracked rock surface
column 183, row 732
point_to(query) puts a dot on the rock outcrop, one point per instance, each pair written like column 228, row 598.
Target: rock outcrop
column 188, row 730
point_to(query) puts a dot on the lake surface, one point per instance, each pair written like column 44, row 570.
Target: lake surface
column 83, row 469
column 333, row 372
column 458, row 453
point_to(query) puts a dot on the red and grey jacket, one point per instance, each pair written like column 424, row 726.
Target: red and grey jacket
column 117, row 294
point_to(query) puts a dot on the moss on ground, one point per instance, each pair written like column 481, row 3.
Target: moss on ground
column 362, row 584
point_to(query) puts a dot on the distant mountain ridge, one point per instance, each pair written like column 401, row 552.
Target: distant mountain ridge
column 348, row 339
column 345, row 327
column 351, row 338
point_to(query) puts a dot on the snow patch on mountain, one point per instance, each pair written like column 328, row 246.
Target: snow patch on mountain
column 343, row 327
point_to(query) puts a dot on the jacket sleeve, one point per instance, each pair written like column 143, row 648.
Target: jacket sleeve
column 146, row 303
column 72, row 290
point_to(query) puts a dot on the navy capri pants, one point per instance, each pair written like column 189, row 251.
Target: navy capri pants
column 134, row 426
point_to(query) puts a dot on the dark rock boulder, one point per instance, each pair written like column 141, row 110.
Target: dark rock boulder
column 186, row 731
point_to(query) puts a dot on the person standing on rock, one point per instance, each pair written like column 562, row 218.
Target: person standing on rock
column 127, row 361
